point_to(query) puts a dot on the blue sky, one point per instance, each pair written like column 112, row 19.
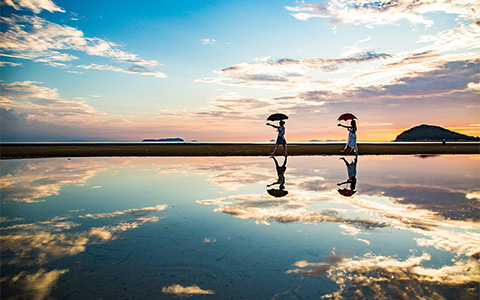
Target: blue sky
column 213, row 71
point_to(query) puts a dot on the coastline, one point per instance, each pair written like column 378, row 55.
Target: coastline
column 46, row 150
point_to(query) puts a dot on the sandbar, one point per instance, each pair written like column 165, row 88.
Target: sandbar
column 45, row 150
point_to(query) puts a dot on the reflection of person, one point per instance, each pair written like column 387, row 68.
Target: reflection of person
column 281, row 179
column 352, row 177
column 352, row 136
column 281, row 137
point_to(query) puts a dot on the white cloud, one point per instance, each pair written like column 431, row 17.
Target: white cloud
column 34, row 38
column 132, row 70
column 35, row 5
column 44, row 104
column 287, row 73
column 372, row 13
column 208, row 41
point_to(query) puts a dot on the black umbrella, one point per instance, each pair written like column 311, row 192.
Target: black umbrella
column 277, row 117
column 277, row 193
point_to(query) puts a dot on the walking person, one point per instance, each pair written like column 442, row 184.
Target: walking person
column 280, row 138
column 352, row 136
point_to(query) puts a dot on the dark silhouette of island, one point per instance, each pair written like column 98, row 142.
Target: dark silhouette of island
column 432, row 133
column 168, row 140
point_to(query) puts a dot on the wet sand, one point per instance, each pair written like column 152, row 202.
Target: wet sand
column 43, row 150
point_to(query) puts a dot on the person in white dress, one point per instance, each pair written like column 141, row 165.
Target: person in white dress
column 280, row 138
column 352, row 136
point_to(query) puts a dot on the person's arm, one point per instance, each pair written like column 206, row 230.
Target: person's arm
column 274, row 126
column 344, row 126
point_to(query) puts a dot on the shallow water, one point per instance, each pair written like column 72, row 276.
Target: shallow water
column 223, row 228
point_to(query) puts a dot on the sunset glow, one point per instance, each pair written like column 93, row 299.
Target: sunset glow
column 104, row 71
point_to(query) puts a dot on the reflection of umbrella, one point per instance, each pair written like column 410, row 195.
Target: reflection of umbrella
column 346, row 192
column 277, row 193
column 277, row 117
column 346, row 116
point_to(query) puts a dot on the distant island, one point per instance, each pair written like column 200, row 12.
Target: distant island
column 169, row 140
column 431, row 133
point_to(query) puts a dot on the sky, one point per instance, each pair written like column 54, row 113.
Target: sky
column 215, row 70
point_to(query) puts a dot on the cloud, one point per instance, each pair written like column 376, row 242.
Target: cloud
column 11, row 64
column 34, row 38
column 286, row 73
column 444, row 78
column 208, row 41
column 41, row 103
column 131, row 70
column 35, row 5
column 372, row 13
column 187, row 291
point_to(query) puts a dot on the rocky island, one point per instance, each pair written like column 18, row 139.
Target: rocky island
column 167, row 140
column 431, row 133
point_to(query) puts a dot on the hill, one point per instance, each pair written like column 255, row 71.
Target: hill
column 431, row 133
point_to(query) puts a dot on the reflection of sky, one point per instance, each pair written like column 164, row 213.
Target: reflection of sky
column 412, row 226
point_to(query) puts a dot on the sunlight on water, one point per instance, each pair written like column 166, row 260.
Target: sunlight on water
column 241, row 228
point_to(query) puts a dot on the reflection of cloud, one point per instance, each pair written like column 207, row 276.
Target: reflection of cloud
column 450, row 204
column 42, row 179
column 264, row 209
column 186, row 291
column 209, row 240
column 232, row 180
column 36, row 286
column 137, row 213
column 443, row 217
column 42, row 242
column 374, row 277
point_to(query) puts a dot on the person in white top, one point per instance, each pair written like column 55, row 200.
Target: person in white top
column 280, row 138
column 352, row 136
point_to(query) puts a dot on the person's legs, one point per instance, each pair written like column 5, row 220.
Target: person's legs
column 285, row 148
column 274, row 150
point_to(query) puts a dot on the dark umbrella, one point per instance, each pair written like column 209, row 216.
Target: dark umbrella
column 277, row 117
column 346, row 116
column 277, row 193
column 346, row 192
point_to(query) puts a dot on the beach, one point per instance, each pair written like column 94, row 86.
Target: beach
column 45, row 150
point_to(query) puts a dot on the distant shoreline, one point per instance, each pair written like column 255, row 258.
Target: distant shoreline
column 46, row 150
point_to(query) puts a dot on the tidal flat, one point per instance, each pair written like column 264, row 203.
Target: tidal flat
column 241, row 227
